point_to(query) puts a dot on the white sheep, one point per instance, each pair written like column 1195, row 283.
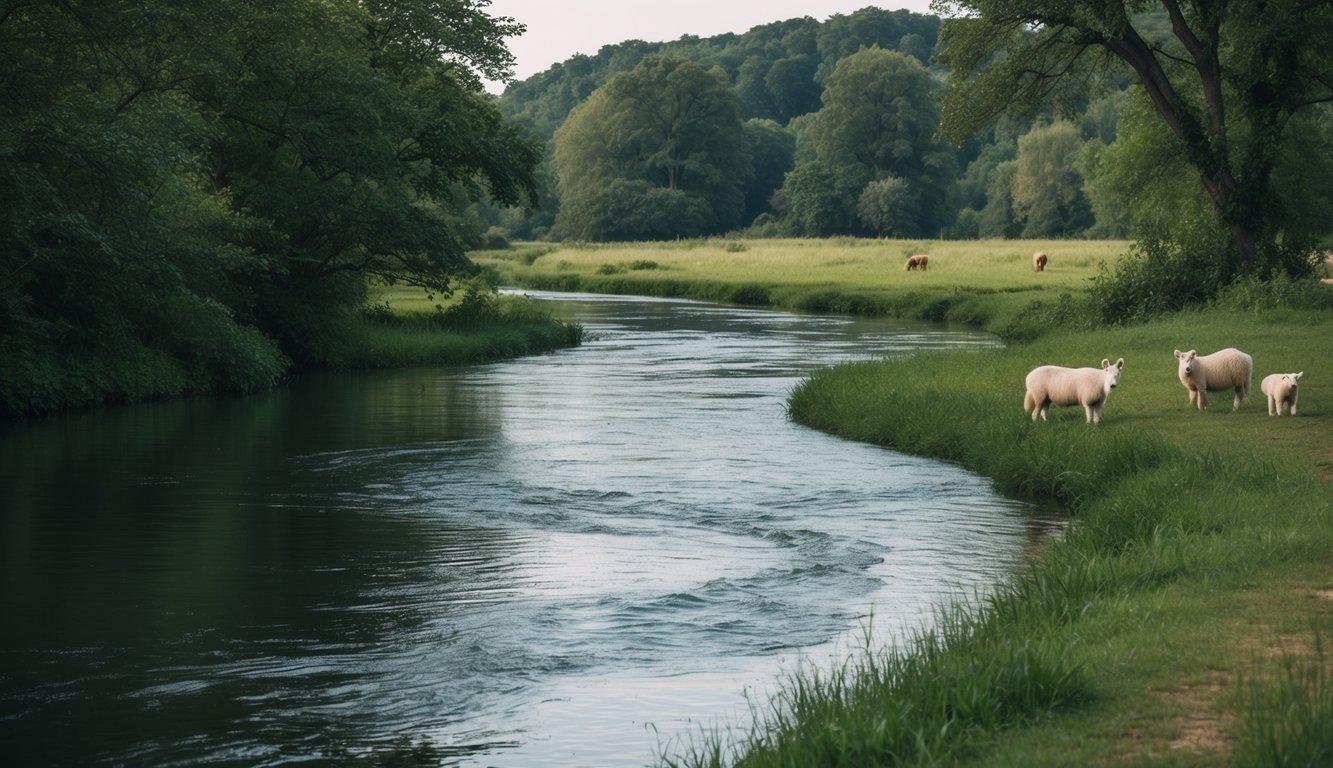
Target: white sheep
column 1088, row 387
column 1224, row 369
column 1282, row 389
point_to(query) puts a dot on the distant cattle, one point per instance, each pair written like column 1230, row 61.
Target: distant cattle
column 918, row 261
column 1039, row 261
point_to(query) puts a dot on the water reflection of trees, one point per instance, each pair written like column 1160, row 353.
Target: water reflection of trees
column 171, row 569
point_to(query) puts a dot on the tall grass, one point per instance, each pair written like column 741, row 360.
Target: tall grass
column 1290, row 715
column 478, row 328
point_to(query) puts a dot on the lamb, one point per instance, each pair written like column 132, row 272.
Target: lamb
column 1088, row 387
column 1225, row 369
column 1039, row 261
column 918, row 260
column 1281, row 389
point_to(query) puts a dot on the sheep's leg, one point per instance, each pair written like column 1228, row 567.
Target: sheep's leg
column 1235, row 404
column 1291, row 410
column 1271, row 401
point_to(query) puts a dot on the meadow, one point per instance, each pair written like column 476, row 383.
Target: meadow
column 986, row 283
column 1183, row 618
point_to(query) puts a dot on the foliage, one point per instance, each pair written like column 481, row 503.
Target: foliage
column 772, row 152
column 888, row 207
column 1157, row 278
column 209, row 206
column 1226, row 83
column 820, row 199
column 1047, row 188
column 880, row 115
column 656, row 153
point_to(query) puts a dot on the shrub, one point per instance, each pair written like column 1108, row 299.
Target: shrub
column 1156, row 278
column 495, row 239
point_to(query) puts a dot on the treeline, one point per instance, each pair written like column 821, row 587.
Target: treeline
column 807, row 128
column 193, row 196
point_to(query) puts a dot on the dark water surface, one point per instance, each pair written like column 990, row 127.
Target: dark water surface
column 566, row 560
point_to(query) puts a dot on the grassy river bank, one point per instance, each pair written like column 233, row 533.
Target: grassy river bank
column 1185, row 617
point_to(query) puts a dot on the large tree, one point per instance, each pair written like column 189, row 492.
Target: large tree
column 1226, row 79
column 1048, row 188
column 880, row 114
column 180, row 183
column 668, row 124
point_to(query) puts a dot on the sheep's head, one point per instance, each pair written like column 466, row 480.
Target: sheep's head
column 1112, row 372
column 1186, row 361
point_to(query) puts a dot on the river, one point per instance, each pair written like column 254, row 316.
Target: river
column 573, row 559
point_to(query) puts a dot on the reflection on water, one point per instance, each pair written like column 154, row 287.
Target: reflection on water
column 561, row 560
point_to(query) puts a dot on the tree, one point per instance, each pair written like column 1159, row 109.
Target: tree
column 888, row 207
column 880, row 114
column 772, row 148
column 668, row 123
column 1225, row 80
column 1048, row 188
column 171, row 204
column 821, row 198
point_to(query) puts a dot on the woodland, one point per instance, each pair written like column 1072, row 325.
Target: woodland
column 201, row 198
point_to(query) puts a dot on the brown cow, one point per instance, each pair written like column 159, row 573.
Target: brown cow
column 918, row 260
column 1039, row 261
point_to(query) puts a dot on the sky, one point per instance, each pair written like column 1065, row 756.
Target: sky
column 558, row 29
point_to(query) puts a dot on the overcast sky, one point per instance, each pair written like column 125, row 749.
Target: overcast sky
column 558, row 29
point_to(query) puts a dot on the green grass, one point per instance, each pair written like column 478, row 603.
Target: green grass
column 406, row 327
column 984, row 283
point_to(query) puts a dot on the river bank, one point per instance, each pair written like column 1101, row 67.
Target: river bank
column 495, row 328
column 1183, row 619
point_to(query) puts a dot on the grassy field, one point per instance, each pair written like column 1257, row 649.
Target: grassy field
column 983, row 283
column 1184, row 617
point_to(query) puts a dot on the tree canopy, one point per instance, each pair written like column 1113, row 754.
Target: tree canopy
column 668, row 125
column 1226, row 79
column 191, row 193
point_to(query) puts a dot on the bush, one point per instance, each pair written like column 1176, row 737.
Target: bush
column 1250, row 294
column 1157, row 278
column 495, row 239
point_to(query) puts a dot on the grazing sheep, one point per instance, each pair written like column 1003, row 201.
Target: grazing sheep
column 1088, row 387
column 1039, row 261
column 918, row 260
column 1282, row 389
column 1224, row 369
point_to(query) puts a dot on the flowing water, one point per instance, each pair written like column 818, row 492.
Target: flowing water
column 574, row 559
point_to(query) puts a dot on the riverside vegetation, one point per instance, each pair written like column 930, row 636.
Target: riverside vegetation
column 400, row 326
column 1182, row 619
